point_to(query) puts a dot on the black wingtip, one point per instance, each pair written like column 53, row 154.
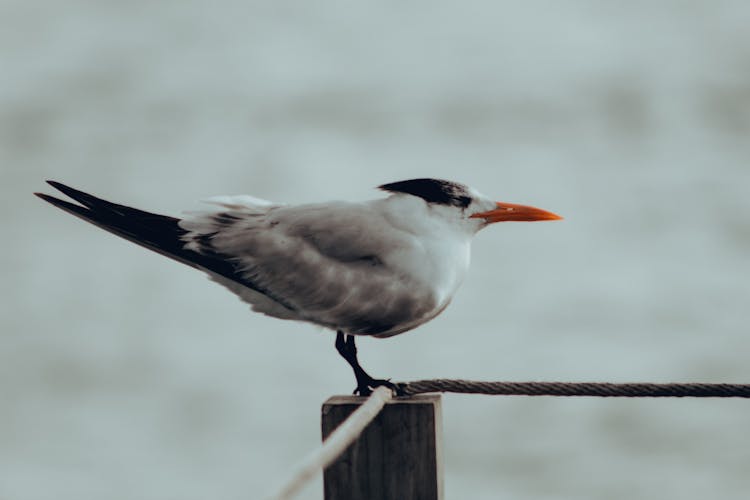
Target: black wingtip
column 65, row 205
column 94, row 203
column 58, row 185
column 77, row 195
column 159, row 233
column 45, row 197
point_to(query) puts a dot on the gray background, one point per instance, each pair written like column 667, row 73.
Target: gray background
column 127, row 376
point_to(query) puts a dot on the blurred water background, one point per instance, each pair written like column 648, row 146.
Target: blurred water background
column 124, row 375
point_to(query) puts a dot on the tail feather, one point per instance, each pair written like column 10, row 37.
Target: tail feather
column 159, row 233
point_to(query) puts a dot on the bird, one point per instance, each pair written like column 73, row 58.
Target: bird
column 371, row 268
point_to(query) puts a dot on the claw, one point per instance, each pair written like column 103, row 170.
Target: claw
column 365, row 387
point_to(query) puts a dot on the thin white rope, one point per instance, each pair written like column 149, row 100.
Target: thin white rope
column 336, row 443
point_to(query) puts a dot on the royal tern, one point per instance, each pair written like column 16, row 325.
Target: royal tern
column 378, row 268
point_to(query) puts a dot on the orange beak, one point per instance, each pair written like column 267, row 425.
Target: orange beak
column 511, row 212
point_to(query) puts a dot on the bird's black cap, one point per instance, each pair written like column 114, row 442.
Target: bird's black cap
column 433, row 191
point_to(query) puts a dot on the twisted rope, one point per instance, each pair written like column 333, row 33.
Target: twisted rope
column 576, row 389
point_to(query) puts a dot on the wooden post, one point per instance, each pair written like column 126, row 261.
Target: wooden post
column 399, row 455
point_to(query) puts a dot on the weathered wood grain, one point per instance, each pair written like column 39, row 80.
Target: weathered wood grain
column 397, row 457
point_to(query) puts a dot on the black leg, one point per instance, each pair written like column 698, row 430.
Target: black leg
column 365, row 383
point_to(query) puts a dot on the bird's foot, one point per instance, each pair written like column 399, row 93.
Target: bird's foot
column 365, row 383
column 365, row 386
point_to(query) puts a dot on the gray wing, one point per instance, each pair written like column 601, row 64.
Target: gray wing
column 330, row 264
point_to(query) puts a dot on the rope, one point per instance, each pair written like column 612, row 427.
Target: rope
column 576, row 389
column 346, row 433
column 338, row 441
